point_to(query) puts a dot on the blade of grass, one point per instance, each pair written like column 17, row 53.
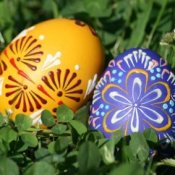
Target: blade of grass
column 55, row 10
column 139, row 30
column 157, row 22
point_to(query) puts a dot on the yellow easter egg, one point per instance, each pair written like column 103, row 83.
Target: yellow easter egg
column 54, row 62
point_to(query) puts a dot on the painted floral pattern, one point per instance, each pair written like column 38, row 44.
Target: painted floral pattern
column 137, row 106
column 25, row 50
column 64, row 84
column 21, row 96
column 3, row 66
column 135, row 92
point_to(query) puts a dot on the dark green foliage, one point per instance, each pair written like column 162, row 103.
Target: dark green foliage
column 120, row 24
column 67, row 146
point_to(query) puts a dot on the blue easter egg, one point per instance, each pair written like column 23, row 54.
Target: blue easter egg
column 136, row 92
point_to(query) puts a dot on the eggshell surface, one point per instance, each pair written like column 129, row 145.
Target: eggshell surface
column 136, row 91
column 54, row 62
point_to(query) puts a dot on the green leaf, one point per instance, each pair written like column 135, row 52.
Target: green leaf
column 23, row 122
column 51, row 147
column 79, row 127
column 82, row 114
column 108, row 38
column 93, row 135
column 108, row 147
column 47, row 118
column 168, row 162
column 4, row 15
column 40, row 168
column 107, row 152
column 4, row 148
column 59, row 129
column 64, row 114
column 73, row 7
column 72, row 158
column 1, row 119
column 41, row 153
column 8, row 167
column 62, row 144
column 7, row 134
column 116, row 136
column 127, row 154
column 97, row 8
column 88, row 158
column 29, row 139
column 22, row 148
column 151, row 135
column 139, row 146
column 58, row 158
column 8, row 34
column 47, row 6
column 128, row 169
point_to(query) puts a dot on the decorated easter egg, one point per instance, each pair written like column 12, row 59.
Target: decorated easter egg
column 136, row 92
column 54, row 62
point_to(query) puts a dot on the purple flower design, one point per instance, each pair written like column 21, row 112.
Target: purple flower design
column 138, row 105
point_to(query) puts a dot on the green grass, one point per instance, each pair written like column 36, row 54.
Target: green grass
column 68, row 147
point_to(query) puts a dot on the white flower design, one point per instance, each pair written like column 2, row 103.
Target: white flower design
column 52, row 61
column 91, row 85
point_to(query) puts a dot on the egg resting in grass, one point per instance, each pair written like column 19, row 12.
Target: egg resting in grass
column 54, row 62
column 136, row 92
